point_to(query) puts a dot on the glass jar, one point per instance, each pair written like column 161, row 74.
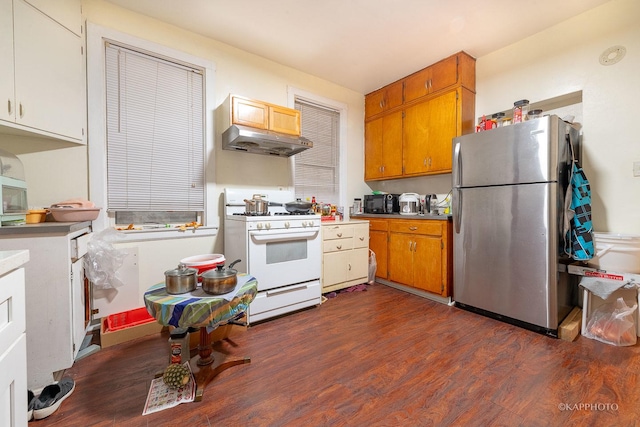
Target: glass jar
column 534, row 114
column 520, row 110
column 357, row 206
column 498, row 118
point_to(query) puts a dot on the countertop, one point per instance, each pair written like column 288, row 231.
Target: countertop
column 10, row 260
column 407, row 217
column 42, row 228
column 350, row 221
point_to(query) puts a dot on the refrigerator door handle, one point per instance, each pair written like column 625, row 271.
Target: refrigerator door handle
column 456, row 199
column 457, row 166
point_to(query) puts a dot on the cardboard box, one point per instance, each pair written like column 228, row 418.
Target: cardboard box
column 110, row 338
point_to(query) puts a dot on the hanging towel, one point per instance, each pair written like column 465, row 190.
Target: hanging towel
column 578, row 228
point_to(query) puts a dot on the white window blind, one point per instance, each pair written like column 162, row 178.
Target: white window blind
column 155, row 133
column 316, row 169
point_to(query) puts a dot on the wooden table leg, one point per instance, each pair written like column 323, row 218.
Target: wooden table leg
column 210, row 363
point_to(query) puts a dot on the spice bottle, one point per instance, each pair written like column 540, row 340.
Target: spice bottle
column 179, row 345
column 520, row 110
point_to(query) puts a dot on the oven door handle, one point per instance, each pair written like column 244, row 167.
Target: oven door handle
column 280, row 235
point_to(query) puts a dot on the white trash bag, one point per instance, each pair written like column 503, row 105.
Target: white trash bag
column 373, row 266
column 102, row 261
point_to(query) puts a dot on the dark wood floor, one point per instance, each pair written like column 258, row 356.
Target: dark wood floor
column 380, row 357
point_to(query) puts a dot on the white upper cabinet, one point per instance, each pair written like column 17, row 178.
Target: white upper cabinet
column 44, row 94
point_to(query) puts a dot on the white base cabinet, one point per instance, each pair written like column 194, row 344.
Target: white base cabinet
column 345, row 254
column 54, row 284
column 13, row 340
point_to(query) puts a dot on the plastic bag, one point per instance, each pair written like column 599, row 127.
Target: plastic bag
column 103, row 260
column 613, row 324
column 373, row 266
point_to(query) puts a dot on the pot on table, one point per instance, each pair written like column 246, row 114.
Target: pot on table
column 181, row 280
column 258, row 205
column 220, row 280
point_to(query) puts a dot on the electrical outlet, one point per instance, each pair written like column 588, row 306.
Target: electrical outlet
column 636, row 169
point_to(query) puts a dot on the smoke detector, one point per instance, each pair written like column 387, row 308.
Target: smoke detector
column 613, row 55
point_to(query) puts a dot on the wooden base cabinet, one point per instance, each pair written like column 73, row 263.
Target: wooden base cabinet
column 420, row 256
column 378, row 238
column 345, row 255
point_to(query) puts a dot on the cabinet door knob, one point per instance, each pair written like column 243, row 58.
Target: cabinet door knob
column 349, row 266
column 415, row 246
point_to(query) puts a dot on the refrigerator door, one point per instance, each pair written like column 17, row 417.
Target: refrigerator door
column 505, row 249
column 521, row 153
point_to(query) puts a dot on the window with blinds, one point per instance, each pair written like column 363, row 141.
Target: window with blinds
column 155, row 138
column 316, row 171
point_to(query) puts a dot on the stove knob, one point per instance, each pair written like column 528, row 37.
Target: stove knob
column 267, row 226
column 286, row 224
column 259, row 225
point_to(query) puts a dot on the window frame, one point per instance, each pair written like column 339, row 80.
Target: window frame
column 96, row 108
column 302, row 95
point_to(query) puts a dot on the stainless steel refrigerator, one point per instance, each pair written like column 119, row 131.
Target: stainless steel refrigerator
column 509, row 187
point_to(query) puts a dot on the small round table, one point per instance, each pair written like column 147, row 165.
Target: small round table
column 201, row 310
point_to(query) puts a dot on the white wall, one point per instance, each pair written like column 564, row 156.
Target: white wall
column 564, row 59
column 244, row 74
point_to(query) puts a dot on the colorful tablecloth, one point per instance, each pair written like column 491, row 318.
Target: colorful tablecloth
column 197, row 308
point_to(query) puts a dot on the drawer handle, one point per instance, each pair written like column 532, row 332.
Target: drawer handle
column 349, row 266
column 413, row 228
column 9, row 106
column 361, row 239
column 339, row 247
column 339, row 234
column 284, row 291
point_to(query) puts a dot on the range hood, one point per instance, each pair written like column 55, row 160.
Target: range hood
column 259, row 141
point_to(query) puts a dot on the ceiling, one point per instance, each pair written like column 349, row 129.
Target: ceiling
column 362, row 44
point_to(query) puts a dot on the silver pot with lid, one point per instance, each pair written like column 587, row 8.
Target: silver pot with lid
column 181, row 280
column 220, row 280
column 257, row 205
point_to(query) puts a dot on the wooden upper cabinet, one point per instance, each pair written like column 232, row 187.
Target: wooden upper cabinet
column 284, row 120
column 383, row 99
column 262, row 115
column 431, row 79
column 416, row 118
column 429, row 129
column 383, row 147
column 249, row 113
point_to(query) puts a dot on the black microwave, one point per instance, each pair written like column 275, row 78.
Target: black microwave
column 381, row 203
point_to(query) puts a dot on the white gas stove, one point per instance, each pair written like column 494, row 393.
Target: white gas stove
column 281, row 250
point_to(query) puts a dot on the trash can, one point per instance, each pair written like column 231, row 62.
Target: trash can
column 616, row 252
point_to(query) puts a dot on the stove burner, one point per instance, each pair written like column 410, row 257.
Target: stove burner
column 251, row 214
